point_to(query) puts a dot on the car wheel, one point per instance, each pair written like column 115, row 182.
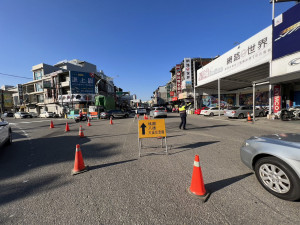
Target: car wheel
column 241, row 116
column 211, row 114
column 278, row 178
column 260, row 114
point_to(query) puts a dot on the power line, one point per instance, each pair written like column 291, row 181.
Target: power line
column 10, row 75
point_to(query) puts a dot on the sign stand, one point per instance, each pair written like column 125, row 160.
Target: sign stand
column 152, row 129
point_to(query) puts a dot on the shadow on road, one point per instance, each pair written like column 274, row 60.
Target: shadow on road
column 191, row 146
column 19, row 190
column 110, row 164
column 218, row 185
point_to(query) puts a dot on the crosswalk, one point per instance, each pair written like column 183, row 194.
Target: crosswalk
column 34, row 121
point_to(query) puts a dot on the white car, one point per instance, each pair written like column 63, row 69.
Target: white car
column 212, row 111
column 5, row 133
column 47, row 115
column 140, row 111
column 22, row 115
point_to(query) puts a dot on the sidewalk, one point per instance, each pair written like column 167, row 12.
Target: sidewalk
column 277, row 124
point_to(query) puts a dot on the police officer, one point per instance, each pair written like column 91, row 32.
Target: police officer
column 182, row 112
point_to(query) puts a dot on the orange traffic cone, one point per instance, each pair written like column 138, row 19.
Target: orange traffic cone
column 81, row 132
column 79, row 166
column 197, row 187
column 51, row 124
column 67, row 127
column 249, row 118
column 111, row 122
column 89, row 124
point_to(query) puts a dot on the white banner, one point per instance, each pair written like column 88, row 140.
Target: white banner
column 187, row 69
column 255, row 51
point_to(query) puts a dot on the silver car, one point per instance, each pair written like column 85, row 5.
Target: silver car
column 242, row 112
column 276, row 162
column 159, row 112
column 5, row 133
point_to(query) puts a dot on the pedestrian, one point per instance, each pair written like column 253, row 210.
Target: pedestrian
column 182, row 112
column 80, row 115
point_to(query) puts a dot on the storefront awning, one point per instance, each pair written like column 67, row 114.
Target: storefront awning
column 240, row 80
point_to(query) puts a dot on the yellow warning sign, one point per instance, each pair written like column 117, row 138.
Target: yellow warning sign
column 152, row 128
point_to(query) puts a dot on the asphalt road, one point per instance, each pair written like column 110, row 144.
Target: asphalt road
column 36, row 186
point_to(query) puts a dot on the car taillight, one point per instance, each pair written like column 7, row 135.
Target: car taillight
column 233, row 112
column 156, row 111
column 165, row 110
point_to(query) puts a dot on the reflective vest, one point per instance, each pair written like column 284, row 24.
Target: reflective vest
column 182, row 109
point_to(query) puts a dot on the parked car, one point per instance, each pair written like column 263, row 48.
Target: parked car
column 114, row 113
column 211, row 111
column 47, row 114
column 159, row 112
column 5, row 133
column 8, row 114
column 242, row 112
column 140, row 111
column 276, row 162
column 22, row 115
column 33, row 114
column 198, row 111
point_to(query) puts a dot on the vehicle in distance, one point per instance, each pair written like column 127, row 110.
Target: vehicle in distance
column 8, row 114
column 211, row 111
column 22, row 115
column 198, row 111
column 276, row 162
column 140, row 111
column 33, row 114
column 5, row 133
column 242, row 112
column 114, row 114
column 159, row 112
column 47, row 114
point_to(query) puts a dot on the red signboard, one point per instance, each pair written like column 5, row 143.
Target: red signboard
column 174, row 99
column 171, row 93
column 178, row 78
column 277, row 99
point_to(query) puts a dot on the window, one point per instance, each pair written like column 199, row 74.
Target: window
column 38, row 75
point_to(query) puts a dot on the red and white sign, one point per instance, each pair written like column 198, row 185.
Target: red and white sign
column 277, row 99
column 178, row 78
column 174, row 99
column 171, row 93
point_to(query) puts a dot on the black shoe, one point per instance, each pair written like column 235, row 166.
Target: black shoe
column 180, row 128
column 184, row 128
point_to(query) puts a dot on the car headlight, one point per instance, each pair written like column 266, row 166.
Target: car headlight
column 245, row 144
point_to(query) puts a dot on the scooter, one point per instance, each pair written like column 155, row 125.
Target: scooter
column 290, row 114
column 83, row 118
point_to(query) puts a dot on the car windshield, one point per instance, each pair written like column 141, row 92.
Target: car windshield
column 160, row 108
column 235, row 108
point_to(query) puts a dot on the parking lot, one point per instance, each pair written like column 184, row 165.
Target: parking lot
column 122, row 188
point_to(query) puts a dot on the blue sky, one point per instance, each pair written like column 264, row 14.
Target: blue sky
column 135, row 41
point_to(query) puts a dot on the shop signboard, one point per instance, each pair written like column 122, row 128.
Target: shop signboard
column 20, row 92
column 81, row 82
column 187, row 69
column 174, row 99
column 277, row 99
column 8, row 103
column 172, row 93
column 178, row 78
column 250, row 53
column 286, row 47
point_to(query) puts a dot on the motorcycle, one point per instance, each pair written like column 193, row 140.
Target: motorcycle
column 83, row 118
column 290, row 114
